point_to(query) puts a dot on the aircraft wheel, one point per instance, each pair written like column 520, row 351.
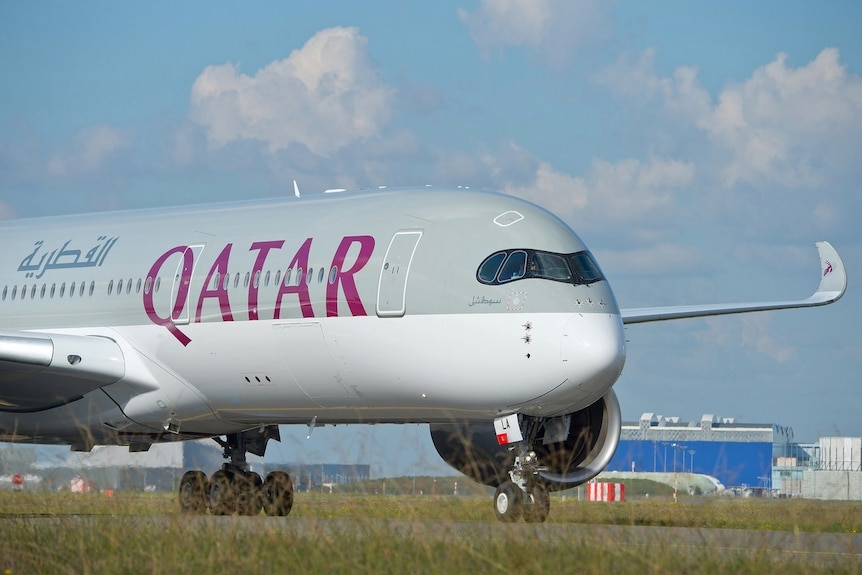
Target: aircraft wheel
column 222, row 497
column 193, row 492
column 248, row 493
column 537, row 504
column 507, row 502
column 277, row 493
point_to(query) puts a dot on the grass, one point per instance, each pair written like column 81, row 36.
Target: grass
column 144, row 533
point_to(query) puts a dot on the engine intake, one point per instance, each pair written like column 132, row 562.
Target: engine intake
column 574, row 449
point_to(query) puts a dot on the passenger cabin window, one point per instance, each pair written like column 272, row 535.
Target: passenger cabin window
column 505, row 266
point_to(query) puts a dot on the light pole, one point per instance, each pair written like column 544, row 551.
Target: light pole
column 691, row 452
column 675, row 484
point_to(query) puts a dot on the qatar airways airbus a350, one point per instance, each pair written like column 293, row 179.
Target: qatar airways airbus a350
column 479, row 313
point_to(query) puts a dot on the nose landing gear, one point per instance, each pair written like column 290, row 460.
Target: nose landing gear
column 523, row 495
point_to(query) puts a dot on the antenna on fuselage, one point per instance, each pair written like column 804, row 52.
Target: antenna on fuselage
column 295, row 189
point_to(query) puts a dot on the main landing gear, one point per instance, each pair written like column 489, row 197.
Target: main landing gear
column 524, row 494
column 233, row 488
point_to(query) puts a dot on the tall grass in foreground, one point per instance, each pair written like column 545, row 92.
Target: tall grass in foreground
column 180, row 546
column 143, row 533
column 714, row 512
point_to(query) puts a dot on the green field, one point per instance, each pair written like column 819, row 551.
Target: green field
column 367, row 533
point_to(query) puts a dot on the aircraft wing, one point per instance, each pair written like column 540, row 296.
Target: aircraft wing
column 833, row 284
column 43, row 370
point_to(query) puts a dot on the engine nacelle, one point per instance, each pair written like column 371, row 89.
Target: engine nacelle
column 574, row 448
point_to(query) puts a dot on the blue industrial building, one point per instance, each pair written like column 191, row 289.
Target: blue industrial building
column 737, row 454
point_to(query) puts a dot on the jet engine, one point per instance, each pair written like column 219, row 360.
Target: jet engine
column 572, row 449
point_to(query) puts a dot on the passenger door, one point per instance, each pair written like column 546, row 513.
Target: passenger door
column 392, row 287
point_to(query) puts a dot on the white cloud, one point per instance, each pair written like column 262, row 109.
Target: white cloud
column 323, row 96
column 92, row 149
column 783, row 124
column 751, row 331
column 183, row 146
column 512, row 22
column 555, row 28
column 7, row 212
column 634, row 76
column 626, row 191
column 794, row 127
column 757, row 337
column 658, row 259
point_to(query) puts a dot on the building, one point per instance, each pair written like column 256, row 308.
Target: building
column 158, row 469
column 832, row 469
column 737, row 454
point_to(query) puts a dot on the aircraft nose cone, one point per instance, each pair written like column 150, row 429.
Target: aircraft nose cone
column 593, row 352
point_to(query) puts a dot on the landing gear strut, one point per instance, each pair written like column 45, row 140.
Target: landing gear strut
column 234, row 489
column 523, row 495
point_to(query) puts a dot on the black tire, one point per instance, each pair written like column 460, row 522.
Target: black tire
column 277, row 494
column 248, row 493
column 193, row 493
column 221, row 493
column 537, row 504
column 507, row 502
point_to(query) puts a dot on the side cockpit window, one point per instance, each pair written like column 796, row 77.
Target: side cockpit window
column 488, row 270
column 578, row 268
column 586, row 267
column 515, row 267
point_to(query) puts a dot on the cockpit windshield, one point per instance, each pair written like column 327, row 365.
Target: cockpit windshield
column 506, row 266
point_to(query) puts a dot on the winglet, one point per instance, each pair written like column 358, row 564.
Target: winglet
column 833, row 279
column 833, row 284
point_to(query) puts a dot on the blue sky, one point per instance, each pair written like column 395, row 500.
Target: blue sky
column 699, row 149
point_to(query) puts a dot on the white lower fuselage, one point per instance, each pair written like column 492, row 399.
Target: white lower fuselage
column 430, row 368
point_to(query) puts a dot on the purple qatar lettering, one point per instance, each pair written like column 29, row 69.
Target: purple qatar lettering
column 220, row 270
column 341, row 279
column 185, row 277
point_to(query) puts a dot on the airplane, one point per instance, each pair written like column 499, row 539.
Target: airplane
column 478, row 313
